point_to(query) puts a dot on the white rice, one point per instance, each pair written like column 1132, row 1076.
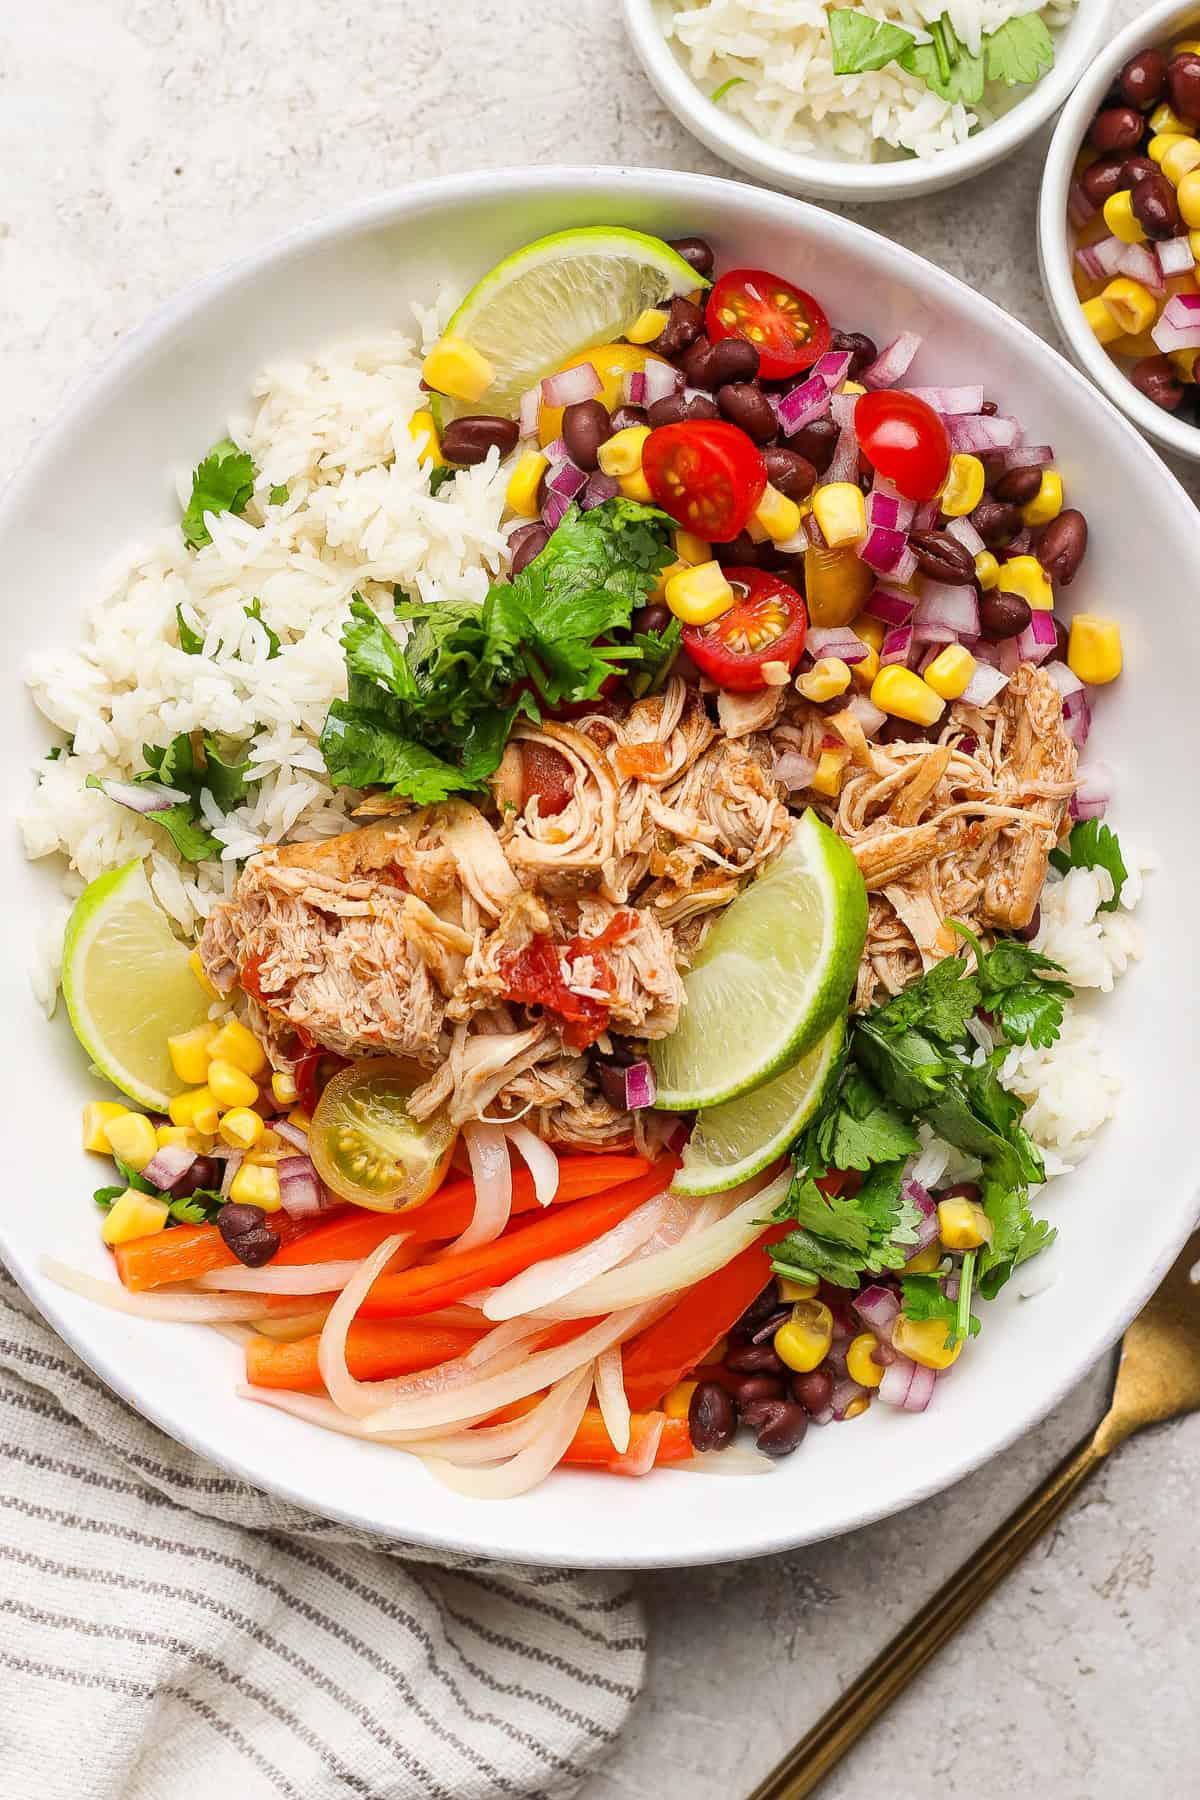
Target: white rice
column 780, row 54
column 359, row 516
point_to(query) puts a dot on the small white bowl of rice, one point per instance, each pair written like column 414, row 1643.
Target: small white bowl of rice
column 755, row 81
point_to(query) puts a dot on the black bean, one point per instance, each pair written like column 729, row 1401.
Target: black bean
column 1063, row 546
column 525, row 544
column 625, row 416
column 1155, row 207
column 247, row 1233
column 1143, row 79
column 997, row 522
column 1062, row 641
column 1156, row 377
column 674, row 408
column 1183, row 85
column 1103, row 178
column 759, row 1309
column 1027, row 933
column 1018, row 485
column 790, row 472
column 610, row 1078
column 696, row 251
column 770, row 1326
column 816, row 442
column 650, row 619
column 469, row 439
column 204, row 1173
column 1003, row 615
column 585, row 426
column 712, row 1417
column 863, row 351
column 694, row 363
column 1116, row 128
column 733, row 359
column 814, row 1391
column 755, row 1359
column 744, row 404
column 989, row 409
column 962, row 1190
column 781, row 1429
column 747, row 1390
column 942, row 557
column 685, row 323
column 740, row 552
column 902, row 731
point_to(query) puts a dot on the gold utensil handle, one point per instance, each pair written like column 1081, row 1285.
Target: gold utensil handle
column 802, row 1771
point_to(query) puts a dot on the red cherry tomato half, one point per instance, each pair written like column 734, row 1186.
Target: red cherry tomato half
column 786, row 326
column 706, row 474
column 768, row 624
column 905, row 440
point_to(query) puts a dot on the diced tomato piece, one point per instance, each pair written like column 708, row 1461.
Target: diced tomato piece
column 546, row 773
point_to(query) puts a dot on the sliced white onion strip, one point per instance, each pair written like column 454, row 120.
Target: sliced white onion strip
column 538, row 1158
column 316, row 1410
column 300, row 1278
column 558, row 1420
column 491, row 1171
column 687, row 1262
column 613, row 1400
column 545, row 1282
column 182, row 1309
column 355, row 1397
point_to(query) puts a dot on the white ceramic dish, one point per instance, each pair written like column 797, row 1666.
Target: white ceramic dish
column 1158, row 25
column 100, row 479
column 833, row 178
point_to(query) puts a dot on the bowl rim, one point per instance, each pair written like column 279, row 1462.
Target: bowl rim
column 1102, row 1327
column 831, row 177
column 1054, row 253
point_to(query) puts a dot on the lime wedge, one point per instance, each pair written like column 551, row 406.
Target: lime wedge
column 556, row 297
column 128, row 986
column 773, row 974
column 730, row 1143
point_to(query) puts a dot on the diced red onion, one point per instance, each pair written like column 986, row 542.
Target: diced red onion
column 1080, row 209
column 1108, row 253
column 931, row 654
column 145, row 797
column 975, row 435
column 1027, row 456
column 1178, row 327
column 920, row 1388
column 571, row 386
column 884, row 511
column 984, row 685
column 920, row 1197
column 845, row 1391
column 867, row 713
column 600, row 487
column 557, row 451
column 1039, row 637
column 836, row 640
column 950, row 400
column 1139, row 263
column 887, row 490
column 566, row 480
column 794, row 771
column 232, row 1164
column 1090, row 263
column 1077, row 718
column 168, row 1165
column 1175, row 257
column 802, row 404
column 897, row 646
column 291, row 1134
column 953, row 609
column 635, row 387
column 844, row 462
column 926, row 516
column 951, row 1284
column 530, row 401
column 843, row 407
column 811, row 527
column 833, row 367
column 640, row 1086
column 893, row 362
column 890, row 605
column 878, row 1308
column 1094, row 792
column 554, row 510
column 884, row 550
column 301, row 1191
column 967, row 536
column 662, row 380
column 1064, row 678
column 897, row 1377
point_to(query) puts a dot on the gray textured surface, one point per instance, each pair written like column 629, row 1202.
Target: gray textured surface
column 143, row 143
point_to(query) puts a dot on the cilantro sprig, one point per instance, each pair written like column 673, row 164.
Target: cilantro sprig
column 199, row 1208
column 223, row 482
column 839, row 1237
column 1092, row 845
column 191, row 763
column 1018, row 53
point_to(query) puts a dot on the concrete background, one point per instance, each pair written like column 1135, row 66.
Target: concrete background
column 145, row 142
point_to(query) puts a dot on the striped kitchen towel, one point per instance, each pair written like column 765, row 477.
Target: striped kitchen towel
column 169, row 1631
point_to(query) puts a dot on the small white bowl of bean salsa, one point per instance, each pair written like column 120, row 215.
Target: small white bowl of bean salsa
column 1119, row 225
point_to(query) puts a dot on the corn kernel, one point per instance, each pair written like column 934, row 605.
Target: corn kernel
column 1047, row 503
column 691, row 549
column 679, row 1400
column 963, row 1224
column 1178, row 160
column 424, row 434
column 825, row 680
column 96, row 1115
column 635, row 487
column 270, row 1144
column 1188, row 196
column 776, row 515
column 867, row 668
column 950, row 672
column 870, row 629
column 1161, row 142
column 964, row 487
column 898, row 691
column 860, row 1360
column 241, row 1128
column 1121, row 219
column 256, row 1184
column 987, row 570
column 189, row 1053
column 860, row 1404
column 699, row 595
column 1184, row 361
column 196, row 1108
column 1132, row 306
column 283, row 1088
column 659, row 590
column 925, row 1261
column 186, row 1137
column 841, row 512
column 1025, row 575
column 830, row 772
column 454, row 368
column 1185, row 47
column 791, row 1291
column 1101, row 323
column 521, row 494
column 132, row 1139
column 804, row 1341
column 235, row 1044
column 300, row 1119
column 133, row 1215
column 1093, row 653
column 924, row 1341
column 1163, row 118
column 647, row 326
column 622, row 454
column 198, row 970
column 852, row 387
column 229, row 1085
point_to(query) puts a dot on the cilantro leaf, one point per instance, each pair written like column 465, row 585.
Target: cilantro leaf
column 104, row 1196
column 657, row 651
column 223, row 482
column 861, row 43
column 361, row 751
column 840, row 1236
column 1015, row 991
column 192, row 642
column 938, row 1004
column 199, row 1208
column 946, row 67
column 254, row 611
column 855, row 1128
column 191, row 763
column 924, row 1298
column 1020, row 51
column 278, row 496
column 440, row 476
column 1016, row 1234
column 1092, row 845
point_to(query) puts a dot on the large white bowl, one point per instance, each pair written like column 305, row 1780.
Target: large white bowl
column 1160, row 25
column 99, row 480
column 834, row 177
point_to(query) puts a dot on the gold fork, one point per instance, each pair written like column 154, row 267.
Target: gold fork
column 1158, row 1378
